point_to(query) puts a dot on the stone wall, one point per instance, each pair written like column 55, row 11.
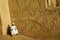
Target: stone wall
column 33, row 19
column 5, row 16
column 0, row 27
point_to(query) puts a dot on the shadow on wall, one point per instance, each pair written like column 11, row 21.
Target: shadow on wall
column 8, row 30
column 0, row 25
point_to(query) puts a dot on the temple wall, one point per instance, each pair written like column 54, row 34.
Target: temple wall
column 5, row 16
column 0, row 27
column 33, row 18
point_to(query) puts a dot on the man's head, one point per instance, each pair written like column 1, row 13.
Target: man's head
column 13, row 24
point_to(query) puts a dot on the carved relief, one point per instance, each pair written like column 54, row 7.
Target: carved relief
column 22, row 4
column 31, row 25
column 50, row 3
column 33, row 20
column 41, row 3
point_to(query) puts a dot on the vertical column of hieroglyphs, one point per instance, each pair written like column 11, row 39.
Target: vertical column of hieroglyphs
column 5, row 15
column 46, row 2
column 55, row 3
column 50, row 3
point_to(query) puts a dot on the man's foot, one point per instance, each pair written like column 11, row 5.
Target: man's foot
column 11, row 35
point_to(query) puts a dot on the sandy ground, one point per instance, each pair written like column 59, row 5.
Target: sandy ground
column 22, row 37
column 16, row 37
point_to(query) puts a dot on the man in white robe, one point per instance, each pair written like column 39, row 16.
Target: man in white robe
column 14, row 30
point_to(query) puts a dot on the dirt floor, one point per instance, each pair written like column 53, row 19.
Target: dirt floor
column 16, row 37
column 22, row 37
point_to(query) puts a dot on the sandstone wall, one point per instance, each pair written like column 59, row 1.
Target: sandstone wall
column 33, row 19
column 0, row 27
column 4, row 16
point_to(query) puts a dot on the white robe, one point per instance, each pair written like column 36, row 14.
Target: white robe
column 14, row 30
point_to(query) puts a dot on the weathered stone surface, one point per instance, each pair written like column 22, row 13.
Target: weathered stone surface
column 17, row 37
column 33, row 19
column 0, row 27
column 5, row 15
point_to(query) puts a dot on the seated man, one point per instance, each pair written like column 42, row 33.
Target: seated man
column 14, row 30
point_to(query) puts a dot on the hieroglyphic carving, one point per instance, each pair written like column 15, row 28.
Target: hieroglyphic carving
column 23, row 4
column 35, row 26
column 33, row 20
column 50, row 3
column 41, row 3
column 30, row 25
column 47, row 3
